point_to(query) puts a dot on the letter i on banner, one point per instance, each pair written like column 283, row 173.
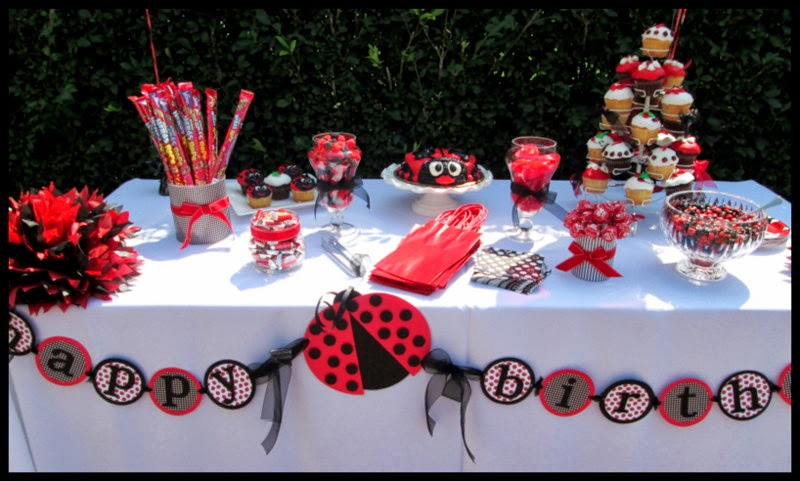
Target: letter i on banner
column 567, row 392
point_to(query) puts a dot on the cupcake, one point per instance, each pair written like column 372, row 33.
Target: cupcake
column 618, row 157
column 674, row 73
column 248, row 178
column 618, row 99
column 626, row 65
column 674, row 102
column 303, row 188
column 639, row 189
column 680, row 180
column 259, row 195
column 647, row 78
column 656, row 41
column 595, row 146
column 595, row 178
column 292, row 170
column 645, row 126
column 661, row 162
column 279, row 182
column 688, row 149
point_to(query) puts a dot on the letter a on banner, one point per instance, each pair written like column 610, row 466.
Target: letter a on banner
column 63, row 361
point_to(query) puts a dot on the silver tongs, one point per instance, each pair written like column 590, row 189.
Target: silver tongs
column 351, row 263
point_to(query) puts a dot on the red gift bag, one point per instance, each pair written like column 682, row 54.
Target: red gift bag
column 432, row 253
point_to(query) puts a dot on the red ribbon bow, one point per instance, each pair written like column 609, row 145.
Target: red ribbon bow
column 700, row 174
column 597, row 258
column 194, row 212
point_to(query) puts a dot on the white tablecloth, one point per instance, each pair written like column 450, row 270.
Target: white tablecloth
column 190, row 308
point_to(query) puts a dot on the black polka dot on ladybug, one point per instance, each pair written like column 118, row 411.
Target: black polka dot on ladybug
column 352, row 353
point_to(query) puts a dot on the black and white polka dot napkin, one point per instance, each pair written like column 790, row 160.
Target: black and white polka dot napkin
column 516, row 271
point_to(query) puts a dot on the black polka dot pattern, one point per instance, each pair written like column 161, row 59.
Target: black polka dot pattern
column 390, row 328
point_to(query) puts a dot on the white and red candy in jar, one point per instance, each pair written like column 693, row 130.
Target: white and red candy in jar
column 275, row 240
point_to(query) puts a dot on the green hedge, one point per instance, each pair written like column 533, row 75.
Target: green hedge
column 398, row 79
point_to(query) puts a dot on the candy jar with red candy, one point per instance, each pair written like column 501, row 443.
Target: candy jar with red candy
column 335, row 156
column 531, row 161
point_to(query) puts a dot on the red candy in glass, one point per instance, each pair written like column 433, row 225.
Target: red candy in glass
column 534, row 171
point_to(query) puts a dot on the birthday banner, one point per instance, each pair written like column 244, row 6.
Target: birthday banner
column 356, row 343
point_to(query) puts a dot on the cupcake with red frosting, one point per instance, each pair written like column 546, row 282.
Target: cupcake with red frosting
column 248, row 178
column 674, row 73
column 626, row 65
column 303, row 188
column 656, row 41
column 595, row 178
column 688, row 149
column 647, row 78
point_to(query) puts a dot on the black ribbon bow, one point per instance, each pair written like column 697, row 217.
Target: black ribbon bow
column 277, row 371
column 450, row 381
column 523, row 192
column 353, row 185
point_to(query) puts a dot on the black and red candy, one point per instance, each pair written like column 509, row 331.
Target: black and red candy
column 367, row 341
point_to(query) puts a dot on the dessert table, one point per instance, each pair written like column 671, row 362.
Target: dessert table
column 190, row 308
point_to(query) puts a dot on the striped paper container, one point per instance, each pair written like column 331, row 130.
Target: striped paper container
column 208, row 228
column 585, row 270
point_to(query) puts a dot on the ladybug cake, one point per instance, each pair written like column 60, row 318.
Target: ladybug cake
column 439, row 167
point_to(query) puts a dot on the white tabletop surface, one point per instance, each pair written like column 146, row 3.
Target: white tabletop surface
column 189, row 308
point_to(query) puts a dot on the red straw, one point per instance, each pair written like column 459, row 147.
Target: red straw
column 152, row 46
column 676, row 29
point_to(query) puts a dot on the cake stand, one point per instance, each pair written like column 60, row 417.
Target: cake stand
column 433, row 200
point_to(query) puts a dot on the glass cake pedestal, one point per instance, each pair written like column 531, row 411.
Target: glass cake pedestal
column 434, row 200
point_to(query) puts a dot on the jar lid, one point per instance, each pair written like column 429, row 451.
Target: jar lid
column 274, row 225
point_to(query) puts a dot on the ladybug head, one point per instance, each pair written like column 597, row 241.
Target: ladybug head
column 443, row 171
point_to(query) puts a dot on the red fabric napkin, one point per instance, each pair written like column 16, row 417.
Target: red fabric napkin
column 430, row 254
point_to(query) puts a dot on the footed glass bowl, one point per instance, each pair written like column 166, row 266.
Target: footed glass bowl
column 711, row 228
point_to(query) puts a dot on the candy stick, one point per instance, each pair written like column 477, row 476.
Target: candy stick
column 245, row 98
column 183, row 98
column 211, row 125
column 197, row 122
column 181, row 121
column 165, row 122
column 146, row 114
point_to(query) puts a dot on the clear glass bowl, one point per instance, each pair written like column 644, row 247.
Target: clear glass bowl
column 711, row 228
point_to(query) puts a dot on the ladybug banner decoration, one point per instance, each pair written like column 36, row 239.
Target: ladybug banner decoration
column 277, row 370
column 364, row 342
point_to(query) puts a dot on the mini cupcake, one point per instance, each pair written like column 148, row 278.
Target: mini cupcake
column 639, row 189
column 249, row 177
column 680, row 180
column 626, row 65
column 595, row 178
column 259, row 195
column 661, row 162
column 618, row 157
column 595, row 146
column 279, row 182
column 674, row 102
column 674, row 73
column 656, row 41
column 302, row 188
column 292, row 170
column 688, row 149
column 645, row 127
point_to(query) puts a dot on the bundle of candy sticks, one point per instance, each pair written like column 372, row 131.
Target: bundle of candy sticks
column 173, row 117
